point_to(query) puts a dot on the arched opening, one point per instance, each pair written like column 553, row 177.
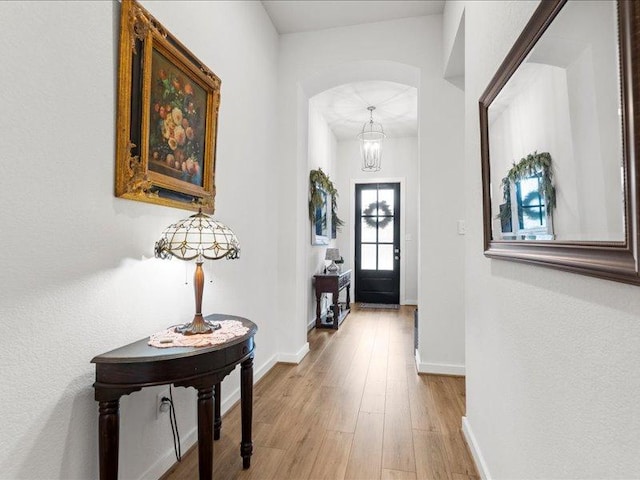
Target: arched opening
column 327, row 134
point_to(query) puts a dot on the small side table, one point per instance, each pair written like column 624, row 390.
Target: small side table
column 332, row 283
column 138, row 365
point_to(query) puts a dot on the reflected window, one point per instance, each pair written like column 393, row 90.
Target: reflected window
column 531, row 211
column 524, row 215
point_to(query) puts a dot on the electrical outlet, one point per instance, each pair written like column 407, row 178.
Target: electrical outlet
column 162, row 406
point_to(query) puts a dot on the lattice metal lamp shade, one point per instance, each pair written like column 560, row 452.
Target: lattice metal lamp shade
column 198, row 236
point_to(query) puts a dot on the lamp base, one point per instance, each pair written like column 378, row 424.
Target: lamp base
column 333, row 268
column 197, row 327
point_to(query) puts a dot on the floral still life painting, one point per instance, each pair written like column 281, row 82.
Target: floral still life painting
column 167, row 122
column 176, row 136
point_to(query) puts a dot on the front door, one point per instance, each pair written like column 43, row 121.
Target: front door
column 377, row 239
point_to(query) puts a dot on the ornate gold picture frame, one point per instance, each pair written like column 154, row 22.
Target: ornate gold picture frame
column 168, row 103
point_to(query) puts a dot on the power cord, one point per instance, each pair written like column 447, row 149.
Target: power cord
column 174, row 424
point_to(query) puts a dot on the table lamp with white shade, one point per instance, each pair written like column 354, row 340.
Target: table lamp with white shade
column 332, row 254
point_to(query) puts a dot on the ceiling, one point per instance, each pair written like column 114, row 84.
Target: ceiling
column 345, row 108
column 290, row 16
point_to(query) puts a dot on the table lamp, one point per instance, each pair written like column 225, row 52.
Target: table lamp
column 198, row 237
column 332, row 254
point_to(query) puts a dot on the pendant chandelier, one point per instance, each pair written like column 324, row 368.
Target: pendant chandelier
column 371, row 138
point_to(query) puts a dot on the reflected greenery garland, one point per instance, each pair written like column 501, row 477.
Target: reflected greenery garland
column 318, row 182
column 529, row 166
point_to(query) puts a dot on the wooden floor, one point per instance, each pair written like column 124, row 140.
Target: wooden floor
column 354, row 408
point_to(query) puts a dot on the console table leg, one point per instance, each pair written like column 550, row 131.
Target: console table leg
column 217, row 423
column 205, row 434
column 108, row 438
column 246, row 405
column 318, row 311
column 336, row 309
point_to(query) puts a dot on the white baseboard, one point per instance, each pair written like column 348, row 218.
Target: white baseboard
column 165, row 462
column 410, row 302
column 294, row 357
column 264, row 369
column 481, row 465
column 439, row 368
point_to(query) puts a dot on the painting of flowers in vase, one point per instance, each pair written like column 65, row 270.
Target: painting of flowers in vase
column 177, row 122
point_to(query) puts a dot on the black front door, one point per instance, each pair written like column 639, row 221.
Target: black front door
column 377, row 235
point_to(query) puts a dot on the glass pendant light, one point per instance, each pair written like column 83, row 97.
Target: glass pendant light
column 371, row 138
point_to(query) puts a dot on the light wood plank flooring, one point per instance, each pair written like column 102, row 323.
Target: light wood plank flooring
column 354, row 408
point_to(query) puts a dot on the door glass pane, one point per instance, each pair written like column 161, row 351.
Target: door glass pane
column 533, row 217
column 367, row 257
column 368, row 233
column 385, row 229
column 386, row 195
column 367, row 197
column 385, row 257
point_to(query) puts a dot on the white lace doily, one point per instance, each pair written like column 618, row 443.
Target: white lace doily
column 229, row 329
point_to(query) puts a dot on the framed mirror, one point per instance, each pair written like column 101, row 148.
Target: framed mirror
column 558, row 141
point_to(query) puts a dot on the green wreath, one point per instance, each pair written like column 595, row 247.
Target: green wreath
column 371, row 221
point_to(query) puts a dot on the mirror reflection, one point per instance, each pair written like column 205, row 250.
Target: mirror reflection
column 555, row 134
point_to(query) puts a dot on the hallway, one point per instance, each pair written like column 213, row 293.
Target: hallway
column 354, row 408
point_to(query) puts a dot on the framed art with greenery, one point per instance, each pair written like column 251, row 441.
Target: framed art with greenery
column 321, row 191
column 321, row 223
column 168, row 104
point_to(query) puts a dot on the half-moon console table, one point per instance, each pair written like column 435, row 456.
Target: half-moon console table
column 138, row 365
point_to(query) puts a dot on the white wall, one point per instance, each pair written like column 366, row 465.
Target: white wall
column 322, row 154
column 405, row 51
column 593, row 78
column 552, row 381
column 452, row 16
column 536, row 118
column 77, row 278
column 453, row 41
column 399, row 161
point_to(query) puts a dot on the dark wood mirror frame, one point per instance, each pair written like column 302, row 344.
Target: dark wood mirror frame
column 616, row 261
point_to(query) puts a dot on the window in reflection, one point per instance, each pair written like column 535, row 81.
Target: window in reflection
column 531, row 211
column 526, row 217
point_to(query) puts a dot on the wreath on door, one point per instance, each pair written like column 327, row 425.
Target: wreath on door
column 383, row 209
